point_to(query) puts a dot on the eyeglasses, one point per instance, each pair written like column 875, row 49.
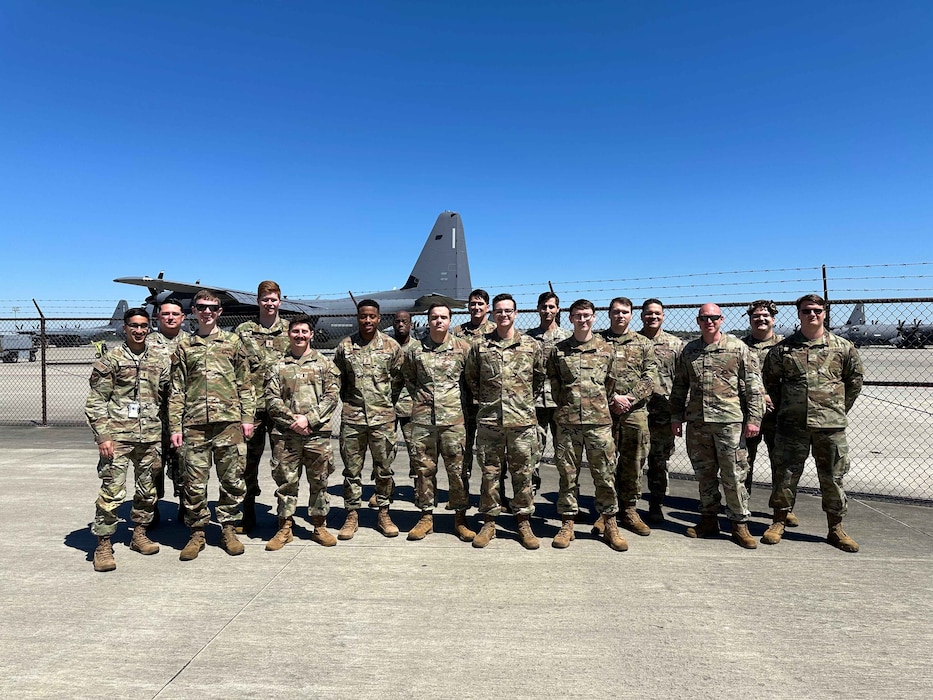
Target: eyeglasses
column 703, row 318
column 807, row 312
column 582, row 317
column 207, row 307
column 503, row 312
column 136, row 326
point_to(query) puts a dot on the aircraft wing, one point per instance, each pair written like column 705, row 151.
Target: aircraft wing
column 156, row 285
column 423, row 302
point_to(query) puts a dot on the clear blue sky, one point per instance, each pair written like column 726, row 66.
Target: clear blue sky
column 315, row 143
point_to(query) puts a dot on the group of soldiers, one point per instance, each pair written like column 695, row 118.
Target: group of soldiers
column 171, row 402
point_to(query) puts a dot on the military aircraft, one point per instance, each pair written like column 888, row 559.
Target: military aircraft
column 900, row 334
column 441, row 274
column 64, row 336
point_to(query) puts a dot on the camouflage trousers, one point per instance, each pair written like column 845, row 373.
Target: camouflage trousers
column 223, row 445
column 470, row 414
column 597, row 442
column 661, row 447
column 262, row 426
column 405, row 423
column 767, row 434
column 354, row 439
column 515, row 449
column 427, row 441
column 717, row 453
column 142, row 456
column 315, row 455
column 831, row 454
column 545, row 416
column 630, row 432
column 170, row 465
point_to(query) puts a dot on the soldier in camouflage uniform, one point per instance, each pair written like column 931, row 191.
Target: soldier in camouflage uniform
column 123, row 411
column 667, row 349
column 266, row 341
column 505, row 372
column 635, row 374
column 370, row 366
column 548, row 333
column 761, row 315
column 433, row 371
column 302, row 391
column 476, row 327
column 580, row 372
column 211, row 411
column 171, row 318
column 720, row 375
column 814, row 378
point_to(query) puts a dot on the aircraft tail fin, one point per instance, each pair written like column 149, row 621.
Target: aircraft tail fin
column 857, row 318
column 443, row 267
column 117, row 319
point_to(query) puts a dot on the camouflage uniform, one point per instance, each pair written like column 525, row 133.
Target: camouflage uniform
column 505, row 376
column 307, row 386
column 403, row 415
column 263, row 347
column 581, row 381
column 724, row 387
column 635, row 373
column 121, row 378
column 667, row 349
column 370, row 383
column 545, row 408
column 434, row 377
column 171, row 464
column 813, row 384
column 768, row 423
column 468, row 332
column 211, row 398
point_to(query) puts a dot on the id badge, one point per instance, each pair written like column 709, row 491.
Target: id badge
column 132, row 409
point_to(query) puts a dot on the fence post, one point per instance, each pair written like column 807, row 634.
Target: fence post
column 826, row 322
column 43, row 366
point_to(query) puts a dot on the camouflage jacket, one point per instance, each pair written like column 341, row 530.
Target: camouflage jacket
column 308, row 385
column 264, row 346
column 581, row 381
column 465, row 330
column 121, row 378
column 161, row 345
column 434, row 378
column 210, row 381
column 813, row 383
column 403, row 405
column 505, row 376
column 634, row 367
column 667, row 349
column 548, row 340
column 723, row 383
column 370, row 378
column 761, row 348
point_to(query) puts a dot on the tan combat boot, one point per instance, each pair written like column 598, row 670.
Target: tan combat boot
column 630, row 520
column 103, row 555
column 837, row 537
column 229, row 542
column 565, row 535
column 350, row 526
column 141, row 542
column 423, row 528
column 525, row 534
column 708, row 527
column 742, row 537
column 775, row 530
column 321, row 534
column 195, row 545
column 384, row 523
column 282, row 537
column 612, row 535
column 461, row 528
column 791, row 520
column 599, row 526
column 486, row 534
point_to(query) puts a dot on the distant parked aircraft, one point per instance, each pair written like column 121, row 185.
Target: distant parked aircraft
column 441, row 274
column 63, row 336
column 901, row 334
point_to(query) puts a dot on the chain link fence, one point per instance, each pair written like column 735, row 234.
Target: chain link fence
column 47, row 363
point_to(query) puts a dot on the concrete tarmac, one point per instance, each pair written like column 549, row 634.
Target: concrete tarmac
column 377, row 617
